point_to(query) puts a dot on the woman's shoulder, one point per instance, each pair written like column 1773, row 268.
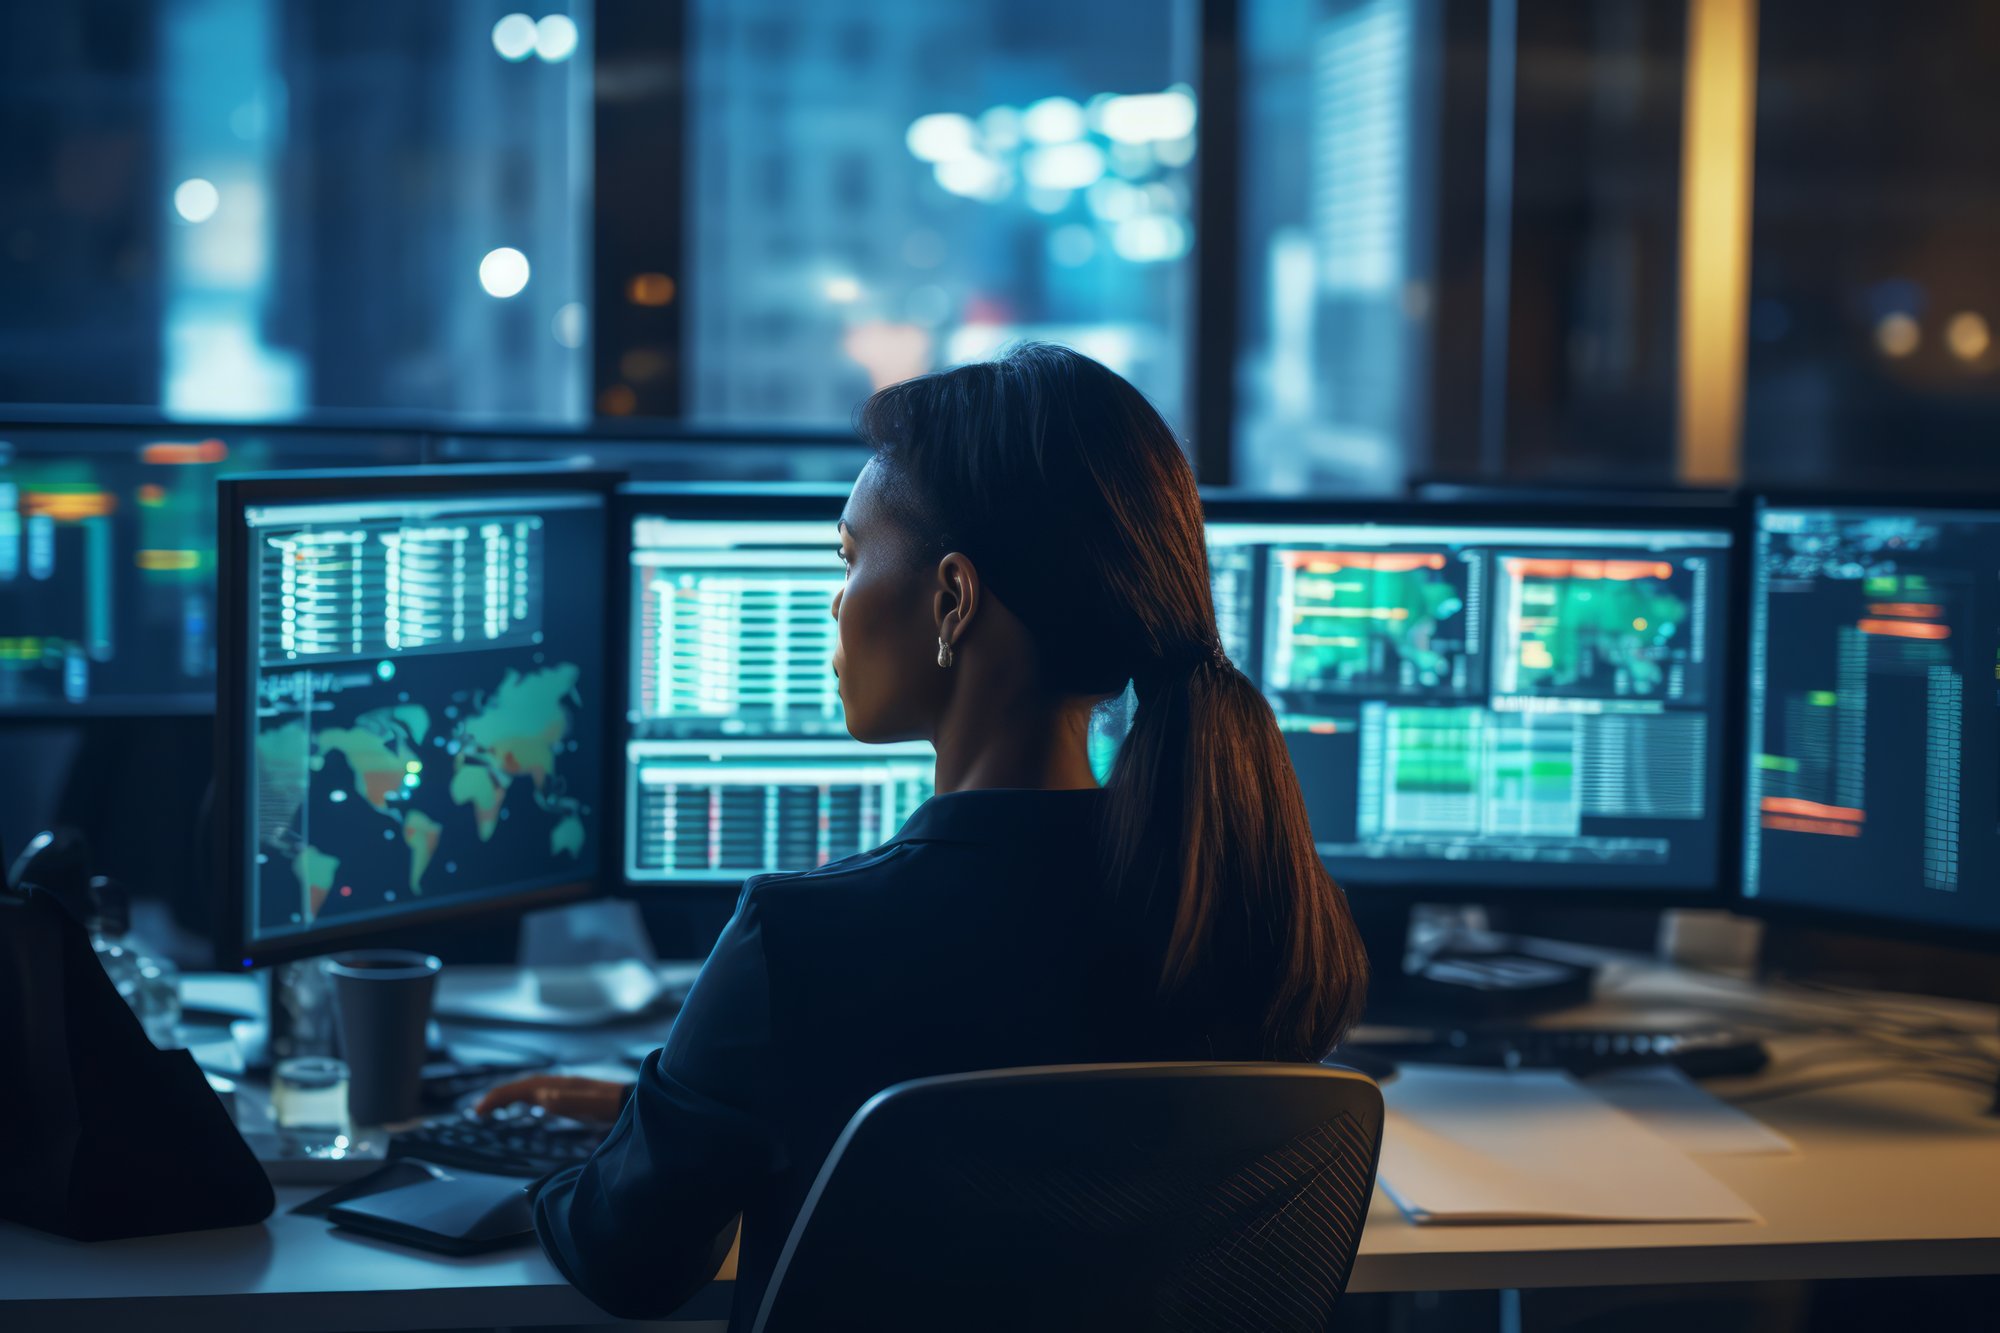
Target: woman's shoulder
column 875, row 861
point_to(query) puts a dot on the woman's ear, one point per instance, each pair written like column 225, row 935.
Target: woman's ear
column 955, row 602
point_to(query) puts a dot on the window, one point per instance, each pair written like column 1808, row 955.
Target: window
column 1018, row 170
column 1336, row 274
column 1873, row 290
column 247, row 208
column 1592, row 295
column 1459, row 236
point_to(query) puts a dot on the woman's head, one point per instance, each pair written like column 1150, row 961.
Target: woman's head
column 991, row 514
column 1036, row 511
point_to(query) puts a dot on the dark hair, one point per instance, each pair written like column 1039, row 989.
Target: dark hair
column 1072, row 497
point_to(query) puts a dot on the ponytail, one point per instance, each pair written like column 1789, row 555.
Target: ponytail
column 1209, row 861
column 1208, row 840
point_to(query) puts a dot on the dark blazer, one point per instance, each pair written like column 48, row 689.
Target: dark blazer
column 976, row 939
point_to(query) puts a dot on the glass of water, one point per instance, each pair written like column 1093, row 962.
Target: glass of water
column 309, row 1102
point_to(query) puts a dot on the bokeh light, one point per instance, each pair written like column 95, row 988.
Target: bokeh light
column 504, row 272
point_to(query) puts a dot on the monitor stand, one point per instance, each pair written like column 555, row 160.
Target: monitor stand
column 1466, row 982
column 583, row 965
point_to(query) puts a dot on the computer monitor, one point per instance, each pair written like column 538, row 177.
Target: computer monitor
column 1485, row 699
column 107, row 557
column 1872, row 794
column 411, row 708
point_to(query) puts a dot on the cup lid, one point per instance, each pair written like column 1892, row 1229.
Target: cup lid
column 384, row 964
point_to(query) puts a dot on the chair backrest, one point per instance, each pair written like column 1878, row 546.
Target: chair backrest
column 1169, row 1196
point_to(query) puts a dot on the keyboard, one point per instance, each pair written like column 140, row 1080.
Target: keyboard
column 513, row 1141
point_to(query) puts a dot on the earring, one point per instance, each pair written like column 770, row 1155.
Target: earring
column 944, row 652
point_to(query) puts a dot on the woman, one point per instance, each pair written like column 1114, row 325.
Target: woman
column 1026, row 540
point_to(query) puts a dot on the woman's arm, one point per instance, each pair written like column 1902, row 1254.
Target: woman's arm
column 648, row 1219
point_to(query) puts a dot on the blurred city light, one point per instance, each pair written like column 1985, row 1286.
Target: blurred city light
column 1114, row 200
column 650, row 289
column 555, row 38
column 976, row 177
column 1046, row 200
column 1068, row 166
column 1968, row 336
column 1053, row 120
column 504, row 272
column 196, row 199
column 888, row 352
column 1150, row 239
column 942, row 137
column 514, row 37
column 1897, row 335
column 1000, row 128
column 571, row 325
column 1144, row 117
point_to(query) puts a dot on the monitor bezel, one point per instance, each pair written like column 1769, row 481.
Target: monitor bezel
column 1843, row 919
column 235, row 950
column 712, row 501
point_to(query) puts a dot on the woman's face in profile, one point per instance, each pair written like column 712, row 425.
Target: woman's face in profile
column 891, row 687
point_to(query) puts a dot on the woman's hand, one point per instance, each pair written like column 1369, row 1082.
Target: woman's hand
column 558, row 1094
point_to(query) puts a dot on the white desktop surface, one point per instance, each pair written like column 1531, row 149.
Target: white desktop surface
column 1891, row 1179
column 294, row 1273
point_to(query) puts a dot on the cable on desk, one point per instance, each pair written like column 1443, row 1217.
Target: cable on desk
column 1887, row 1073
column 1849, row 1051
column 1885, row 1023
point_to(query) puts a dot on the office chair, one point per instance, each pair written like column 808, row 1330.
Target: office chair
column 1158, row 1196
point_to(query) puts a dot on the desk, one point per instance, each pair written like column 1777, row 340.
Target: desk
column 1892, row 1179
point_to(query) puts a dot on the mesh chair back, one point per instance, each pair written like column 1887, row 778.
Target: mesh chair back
column 1186, row 1197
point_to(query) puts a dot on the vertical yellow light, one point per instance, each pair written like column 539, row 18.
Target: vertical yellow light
column 1718, row 141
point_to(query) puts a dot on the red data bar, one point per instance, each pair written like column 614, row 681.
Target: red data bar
column 1905, row 629
column 1382, row 562
column 1622, row 571
column 1792, row 805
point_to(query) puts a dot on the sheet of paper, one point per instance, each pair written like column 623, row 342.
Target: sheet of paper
column 1486, row 1145
column 1685, row 1114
